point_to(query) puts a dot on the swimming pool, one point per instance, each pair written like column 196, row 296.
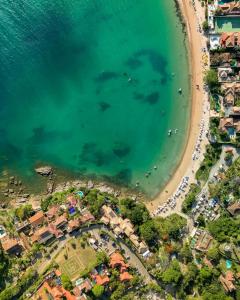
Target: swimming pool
column 228, row 264
column 227, row 24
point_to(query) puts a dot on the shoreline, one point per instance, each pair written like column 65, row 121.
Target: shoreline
column 186, row 166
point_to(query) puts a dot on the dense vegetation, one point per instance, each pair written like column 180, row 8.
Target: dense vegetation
column 190, row 198
column 211, row 156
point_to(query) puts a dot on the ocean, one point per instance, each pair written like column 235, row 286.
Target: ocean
column 91, row 87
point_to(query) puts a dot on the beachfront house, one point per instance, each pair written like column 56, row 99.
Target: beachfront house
column 227, row 75
column 229, row 40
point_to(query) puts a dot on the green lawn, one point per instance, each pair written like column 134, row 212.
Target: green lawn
column 73, row 262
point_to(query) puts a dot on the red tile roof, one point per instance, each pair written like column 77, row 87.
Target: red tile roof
column 116, row 260
column 8, row 244
column 86, row 217
column 52, row 212
column 38, row 217
column 101, row 279
column 57, row 292
column 125, row 276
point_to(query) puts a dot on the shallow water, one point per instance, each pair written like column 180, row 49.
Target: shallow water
column 91, row 86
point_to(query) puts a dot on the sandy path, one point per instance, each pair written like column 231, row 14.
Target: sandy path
column 187, row 166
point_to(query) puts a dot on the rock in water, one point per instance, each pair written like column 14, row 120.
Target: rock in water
column 44, row 171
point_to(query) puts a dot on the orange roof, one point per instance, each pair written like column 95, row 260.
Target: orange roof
column 101, row 280
column 57, row 292
column 9, row 244
column 229, row 276
column 125, row 276
column 86, row 217
column 73, row 223
column 116, row 259
column 37, row 217
column 60, row 220
column 58, row 272
column 52, row 212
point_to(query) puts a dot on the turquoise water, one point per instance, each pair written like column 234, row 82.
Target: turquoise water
column 91, row 87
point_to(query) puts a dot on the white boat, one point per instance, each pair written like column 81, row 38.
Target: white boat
column 169, row 132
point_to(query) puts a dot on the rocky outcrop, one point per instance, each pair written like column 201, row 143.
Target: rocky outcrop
column 44, row 171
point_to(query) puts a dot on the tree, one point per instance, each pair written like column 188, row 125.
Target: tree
column 102, row 258
column 66, row 282
column 23, row 212
column 98, row 290
column 149, row 232
column 211, row 79
column 214, row 292
column 136, row 212
column 201, row 221
column 4, row 264
column 186, row 253
column 213, row 253
column 205, row 26
column 205, row 276
column 172, row 274
column 171, row 226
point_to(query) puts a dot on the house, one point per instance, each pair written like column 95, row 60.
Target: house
column 55, row 231
column 126, row 226
column 227, row 75
column 72, row 200
column 23, row 227
column 229, row 123
column 203, row 241
column 73, row 225
column 101, row 279
column 225, row 124
column 229, row 97
column 117, row 230
column 230, row 39
column 86, row 217
column 134, row 239
column 37, row 219
column 207, row 262
column 227, row 282
column 11, row 246
column 105, row 220
column 83, row 286
column 60, row 222
column 47, row 291
column 116, row 260
column 228, row 8
column 110, row 215
column 42, row 235
column 142, row 248
column 234, row 209
column 231, row 92
column 125, row 276
column 52, row 212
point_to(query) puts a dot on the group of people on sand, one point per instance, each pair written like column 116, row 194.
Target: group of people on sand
column 197, row 152
column 172, row 201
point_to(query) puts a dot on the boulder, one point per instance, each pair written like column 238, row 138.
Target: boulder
column 44, row 171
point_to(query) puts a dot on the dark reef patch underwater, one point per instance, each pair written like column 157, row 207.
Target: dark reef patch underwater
column 91, row 87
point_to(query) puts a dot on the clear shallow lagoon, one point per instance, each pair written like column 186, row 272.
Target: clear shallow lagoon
column 91, row 86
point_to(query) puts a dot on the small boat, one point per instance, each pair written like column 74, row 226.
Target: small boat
column 169, row 132
column 180, row 91
column 129, row 79
column 155, row 167
column 176, row 130
column 146, row 174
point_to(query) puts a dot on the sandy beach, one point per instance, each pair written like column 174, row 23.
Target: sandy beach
column 199, row 103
